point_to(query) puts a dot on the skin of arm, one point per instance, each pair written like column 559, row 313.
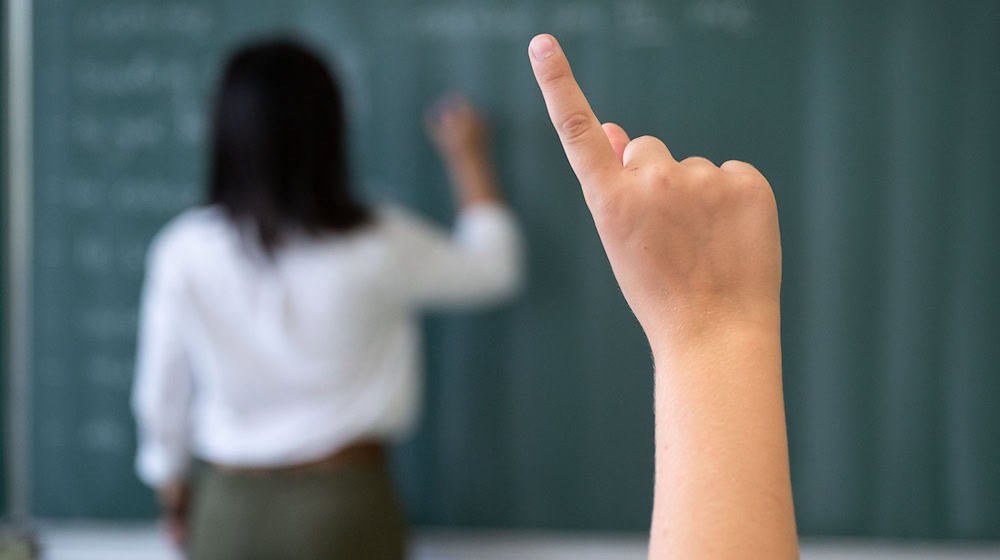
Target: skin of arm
column 696, row 250
column 174, row 499
column 461, row 137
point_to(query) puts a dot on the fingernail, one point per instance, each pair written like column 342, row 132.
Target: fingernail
column 542, row 47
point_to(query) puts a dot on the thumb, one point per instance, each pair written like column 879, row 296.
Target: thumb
column 618, row 138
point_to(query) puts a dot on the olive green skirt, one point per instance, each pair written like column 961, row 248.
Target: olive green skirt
column 351, row 512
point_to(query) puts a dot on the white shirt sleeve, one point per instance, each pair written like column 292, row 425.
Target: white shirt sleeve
column 161, row 395
column 481, row 262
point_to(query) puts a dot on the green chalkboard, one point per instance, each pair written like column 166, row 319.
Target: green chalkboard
column 878, row 126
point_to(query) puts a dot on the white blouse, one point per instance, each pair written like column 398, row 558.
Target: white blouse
column 245, row 360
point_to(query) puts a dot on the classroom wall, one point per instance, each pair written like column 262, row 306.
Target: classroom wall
column 890, row 243
column 3, row 261
column 877, row 126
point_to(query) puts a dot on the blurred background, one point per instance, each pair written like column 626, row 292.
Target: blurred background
column 877, row 123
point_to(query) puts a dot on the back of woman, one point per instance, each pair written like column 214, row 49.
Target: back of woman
column 279, row 345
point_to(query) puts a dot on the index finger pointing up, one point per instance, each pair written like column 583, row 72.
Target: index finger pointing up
column 586, row 146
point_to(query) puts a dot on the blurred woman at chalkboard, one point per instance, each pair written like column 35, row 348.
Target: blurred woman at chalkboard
column 278, row 341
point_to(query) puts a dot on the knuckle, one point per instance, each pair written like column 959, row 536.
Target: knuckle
column 575, row 126
column 736, row 168
column 743, row 181
column 734, row 165
column 700, row 172
column 647, row 151
column 645, row 140
column 701, row 175
column 644, row 143
column 552, row 73
column 751, row 191
column 657, row 176
column 697, row 161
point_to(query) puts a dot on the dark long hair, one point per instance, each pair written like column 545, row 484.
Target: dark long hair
column 279, row 154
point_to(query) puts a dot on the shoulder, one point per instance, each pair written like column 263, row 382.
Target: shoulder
column 402, row 227
column 399, row 220
column 184, row 233
column 396, row 216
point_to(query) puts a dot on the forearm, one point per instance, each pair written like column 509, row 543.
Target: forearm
column 722, row 481
column 473, row 179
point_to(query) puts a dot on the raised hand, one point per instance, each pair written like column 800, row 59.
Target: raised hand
column 696, row 251
column 691, row 244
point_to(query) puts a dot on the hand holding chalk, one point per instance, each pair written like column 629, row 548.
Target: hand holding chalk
column 457, row 129
column 462, row 138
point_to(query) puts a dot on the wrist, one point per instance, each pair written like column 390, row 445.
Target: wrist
column 465, row 158
column 714, row 332
column 473, row 181
column 172, row 494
